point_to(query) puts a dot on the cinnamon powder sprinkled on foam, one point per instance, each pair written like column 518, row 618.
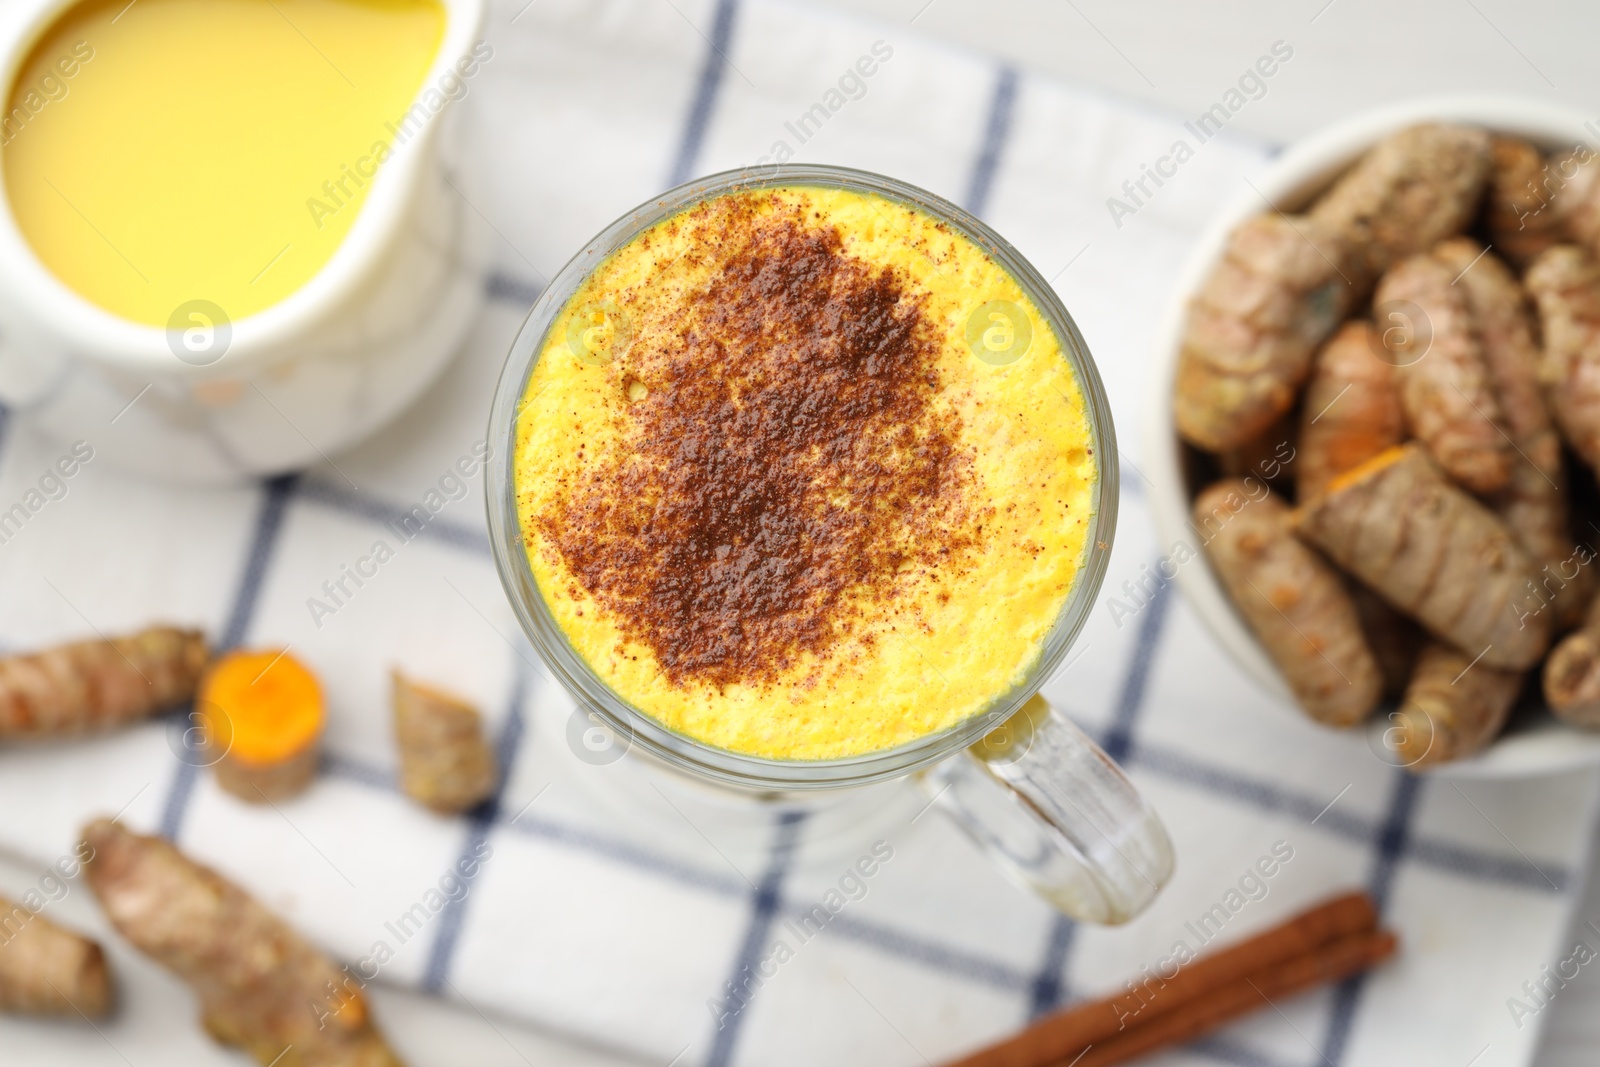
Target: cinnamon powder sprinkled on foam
column 787, row 467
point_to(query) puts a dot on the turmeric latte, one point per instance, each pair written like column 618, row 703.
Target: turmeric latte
column 803, row 474
column 168, row 151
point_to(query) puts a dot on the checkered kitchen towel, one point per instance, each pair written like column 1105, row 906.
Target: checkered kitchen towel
column 609, row 904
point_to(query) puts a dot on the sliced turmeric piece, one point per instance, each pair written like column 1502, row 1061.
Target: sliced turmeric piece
column 89, row 686
column 262, row 987
column 1294, row 601
column 46, row 969
column 1453, row 707
column 1443, row 377
column 1433, row 552
column 1533, row 502
column 1351, row 410
column 1413, row 189
column 1251, row 330
column 264, row 711
column 1565, row 284
column 445, row 762
column 1519, row 208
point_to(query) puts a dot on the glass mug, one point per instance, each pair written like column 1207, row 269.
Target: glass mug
column 1053, row 811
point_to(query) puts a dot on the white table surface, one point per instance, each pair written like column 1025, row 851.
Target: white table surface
column 1349, row 54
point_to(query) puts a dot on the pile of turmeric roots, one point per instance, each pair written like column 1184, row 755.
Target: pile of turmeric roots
column 257, row 720
column 1424, row 342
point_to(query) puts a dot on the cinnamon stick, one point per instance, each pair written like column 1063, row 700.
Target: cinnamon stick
column 1332, row 962
column 1211, row 981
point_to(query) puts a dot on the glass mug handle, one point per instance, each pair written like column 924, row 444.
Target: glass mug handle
column 1057, row 815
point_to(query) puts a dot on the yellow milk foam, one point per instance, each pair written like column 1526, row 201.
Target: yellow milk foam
column 175, row 150
column 923, row 662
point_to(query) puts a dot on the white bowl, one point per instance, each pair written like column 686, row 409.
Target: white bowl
column 1542, row 746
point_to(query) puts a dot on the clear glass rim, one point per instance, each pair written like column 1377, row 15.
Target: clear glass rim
column 640, row 729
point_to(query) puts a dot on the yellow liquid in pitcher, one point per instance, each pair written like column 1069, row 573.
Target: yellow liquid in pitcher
column 166, row 151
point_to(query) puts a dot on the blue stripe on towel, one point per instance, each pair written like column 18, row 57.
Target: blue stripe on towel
column 712, row 73
column 1048, row 988
column 1270, row 797
column 361, row 773
column 1393, row 841
column 581, row 839
column 1118, row 740
column 387, row 514
column 483, row 819
column 276, row 494
column 269, row 523
column 960, row 962
column 1394, row 836
column 1481, row 867
column 996, row 131
column 508, row 289
column 763, row 913
column 625, row 852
